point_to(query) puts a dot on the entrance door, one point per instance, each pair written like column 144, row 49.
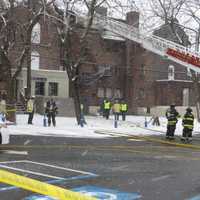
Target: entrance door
column 186, row 97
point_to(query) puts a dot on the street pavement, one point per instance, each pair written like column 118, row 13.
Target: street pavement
column 152, row 170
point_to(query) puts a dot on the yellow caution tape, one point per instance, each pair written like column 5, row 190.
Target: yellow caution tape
column 40, row 187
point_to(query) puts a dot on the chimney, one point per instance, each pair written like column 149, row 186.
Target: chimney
column 132, row 18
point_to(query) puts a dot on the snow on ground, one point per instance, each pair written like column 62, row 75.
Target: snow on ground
column 67, row 127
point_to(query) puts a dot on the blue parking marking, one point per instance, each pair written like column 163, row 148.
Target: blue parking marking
column 97, row 192
column 195, row 198
column 107, row 194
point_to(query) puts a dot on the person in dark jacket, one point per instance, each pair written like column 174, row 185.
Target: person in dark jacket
column 188, row 124
column 172, row 116
column 51, row 111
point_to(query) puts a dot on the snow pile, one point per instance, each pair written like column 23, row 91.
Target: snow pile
column 67, row 127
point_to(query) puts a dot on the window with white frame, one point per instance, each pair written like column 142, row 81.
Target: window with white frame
column 117, row 93
column 35, row 60
column 189, row 74
column 53, row 89
column 100, row 92
column 108, row 92
column 35, row 36
column 39, row 88
column 171, row 72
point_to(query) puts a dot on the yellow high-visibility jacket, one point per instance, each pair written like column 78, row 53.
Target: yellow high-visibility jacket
column 30, row 106
column 116, row 108
column 107, row 105
column 124, row 107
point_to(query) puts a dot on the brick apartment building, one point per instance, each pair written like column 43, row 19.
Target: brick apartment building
column 115, row 68
column 142, row 78
column 48, row 78
column 158, row 81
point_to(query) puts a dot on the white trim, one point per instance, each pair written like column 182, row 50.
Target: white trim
column 45, row 70
column 166, row 80
column 15, row 152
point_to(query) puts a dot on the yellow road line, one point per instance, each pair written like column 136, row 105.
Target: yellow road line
column 150, row 139
column 191, row 146
column 40, row 187
column 5, row 147
column 154, row 153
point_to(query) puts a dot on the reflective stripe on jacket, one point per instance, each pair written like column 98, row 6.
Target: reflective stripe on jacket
column 188, row 121
column 124, row 107
column 30, row 106
column 172, row 117
column 107, row 105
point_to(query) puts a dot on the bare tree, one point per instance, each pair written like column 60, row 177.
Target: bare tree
column 73, row 57
column 169, row 11
column 16, row 34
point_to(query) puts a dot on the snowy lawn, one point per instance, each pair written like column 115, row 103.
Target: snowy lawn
column 67, row 127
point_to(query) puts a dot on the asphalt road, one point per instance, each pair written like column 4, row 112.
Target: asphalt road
column 153, row 170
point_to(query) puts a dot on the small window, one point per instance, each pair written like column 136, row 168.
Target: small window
column 100, row 92
column 108, row 92
column 189, row 74
column 171, row 72
column 142, row 70
column 117, row 93
column 53, row 89
column 40, row 88
column 141, row 93
column 35, row 36
column 35, row 60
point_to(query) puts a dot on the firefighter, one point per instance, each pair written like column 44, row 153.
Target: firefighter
column 188, row 124
column 124, row 109
column 107, row 107
column 116, row 109
column 30, row 109
column 172, row 116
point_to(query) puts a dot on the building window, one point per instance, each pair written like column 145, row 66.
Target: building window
column 35, row 60
column 142, row 70
column 40, row 88
column 117, row 93
column 141, row 93
column 189, row 74
column 35, row 36
column 100, row 92
column 53, row 89
column 108, row 92
column 171, row 72
column 105, row 69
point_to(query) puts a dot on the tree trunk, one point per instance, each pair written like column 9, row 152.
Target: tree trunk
column 10, row 104
column 29, row 74
column 76, row 97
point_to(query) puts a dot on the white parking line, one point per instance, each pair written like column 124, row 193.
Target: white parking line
column 42, row 164
column 15, row 152
column 31, row 172
column 13, row 161
column 57, row 167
